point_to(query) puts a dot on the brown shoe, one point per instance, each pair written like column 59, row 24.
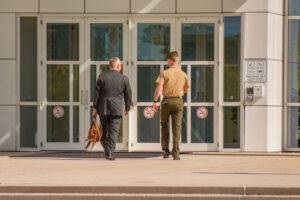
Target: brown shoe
column 176, row 158
column 166, row 154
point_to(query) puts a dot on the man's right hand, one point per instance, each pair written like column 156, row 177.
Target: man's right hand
column 155, row 106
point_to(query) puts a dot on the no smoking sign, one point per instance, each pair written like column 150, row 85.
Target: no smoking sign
column 202, row 112
column 58, row 112
column 149, row 112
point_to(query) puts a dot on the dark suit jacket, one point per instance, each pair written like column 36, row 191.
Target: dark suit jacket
column 112, row 90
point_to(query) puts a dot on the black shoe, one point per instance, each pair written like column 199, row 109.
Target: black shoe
column 110, row 157
column 166, row 154
column 176, row 158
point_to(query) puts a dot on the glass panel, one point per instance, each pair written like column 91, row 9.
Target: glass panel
column 58, row 83
column 184, row 68
column 76, row 83
column 103, row 68
column 76, row 124
column 202, row 129
column 294, row 127
column 184, row 126
column 28, row 58
column 62, row 41
column 28, row 126
column 202, row 83
column 294, row 7
column 294, row 61
column 93, row 81
column 153, row 41
column 148, row 129
column 231, row 127
column 197, row 42
column 57, row 127
column 106, row 41
column 232, row 50
column 146, row 76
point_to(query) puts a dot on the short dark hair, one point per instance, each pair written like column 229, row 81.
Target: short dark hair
column 173, row 55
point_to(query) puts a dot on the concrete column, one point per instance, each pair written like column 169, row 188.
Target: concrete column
column 263, row 39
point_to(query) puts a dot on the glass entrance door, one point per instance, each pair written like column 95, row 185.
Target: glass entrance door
column 105, row 38
column 196, row 40
column 152, row 41
column 62, row 88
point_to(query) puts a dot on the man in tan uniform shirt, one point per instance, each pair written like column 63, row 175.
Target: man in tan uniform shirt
column 172, row 83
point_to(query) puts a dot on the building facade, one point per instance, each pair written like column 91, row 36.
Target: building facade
column 241, row 57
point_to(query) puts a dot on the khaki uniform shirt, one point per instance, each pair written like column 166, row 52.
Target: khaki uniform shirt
column 174, row 81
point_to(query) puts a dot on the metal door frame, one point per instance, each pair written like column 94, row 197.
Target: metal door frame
column 126, row 70
column 61, row 145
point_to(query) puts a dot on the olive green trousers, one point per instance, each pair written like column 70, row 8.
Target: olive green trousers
column 171, row 107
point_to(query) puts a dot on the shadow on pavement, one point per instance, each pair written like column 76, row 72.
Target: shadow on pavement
column 80, row 155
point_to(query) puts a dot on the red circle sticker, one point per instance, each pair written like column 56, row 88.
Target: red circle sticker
column 58, row 111
column 202, row 112
column 149, row 112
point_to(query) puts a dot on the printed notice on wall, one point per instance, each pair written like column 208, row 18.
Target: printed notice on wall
column 256, row 70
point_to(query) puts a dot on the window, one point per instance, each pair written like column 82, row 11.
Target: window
column 197, row 41
column 232, row 81
column 293, row 75
column 106, row 41
column 294, row 7
column 232, row 58
column 63, row 41
column 28, row 59
column 28, row 82
column 153, row 41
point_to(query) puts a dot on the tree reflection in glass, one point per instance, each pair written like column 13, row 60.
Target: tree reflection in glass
column 106, row 40
column 153, row 41
column 197, row 42
column 232, row 61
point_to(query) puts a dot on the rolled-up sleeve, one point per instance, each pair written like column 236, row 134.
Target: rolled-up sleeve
column 160, row 79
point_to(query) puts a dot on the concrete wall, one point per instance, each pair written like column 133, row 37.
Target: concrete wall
column 263, row 20
column 142, row 6
column 8, row 84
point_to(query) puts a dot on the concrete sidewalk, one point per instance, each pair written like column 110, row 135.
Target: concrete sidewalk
column 149, row 169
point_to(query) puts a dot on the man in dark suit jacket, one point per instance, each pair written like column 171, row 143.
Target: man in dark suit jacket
column 112, row 90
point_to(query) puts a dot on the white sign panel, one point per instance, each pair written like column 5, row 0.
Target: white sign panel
column 256, row 70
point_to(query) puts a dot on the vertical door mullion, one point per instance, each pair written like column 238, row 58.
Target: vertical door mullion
column 86, row 74
column 189, row 112
column 217, row 109
column 44, row 85
column 71, row 123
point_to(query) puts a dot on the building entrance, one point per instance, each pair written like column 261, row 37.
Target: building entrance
column 75, row 51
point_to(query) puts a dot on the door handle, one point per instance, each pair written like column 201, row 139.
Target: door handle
column 86, row 99
column 81, row 97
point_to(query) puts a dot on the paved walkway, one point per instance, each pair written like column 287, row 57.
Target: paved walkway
column 138, row 169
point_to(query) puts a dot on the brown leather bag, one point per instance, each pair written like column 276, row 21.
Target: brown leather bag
column 95, row 133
